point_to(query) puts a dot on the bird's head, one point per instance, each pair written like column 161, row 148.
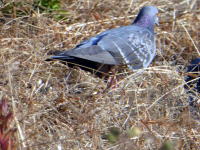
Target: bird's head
column 147, row 17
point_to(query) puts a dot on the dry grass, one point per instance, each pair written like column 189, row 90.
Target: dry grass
column 56, row 107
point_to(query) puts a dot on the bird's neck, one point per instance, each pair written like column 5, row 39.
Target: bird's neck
column 144, row 21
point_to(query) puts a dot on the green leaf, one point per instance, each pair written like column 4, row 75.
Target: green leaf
column 167, row 145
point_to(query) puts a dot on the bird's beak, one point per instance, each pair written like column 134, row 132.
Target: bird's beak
column 156, row 21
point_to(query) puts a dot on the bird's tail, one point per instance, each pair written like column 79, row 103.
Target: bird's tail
column 61, row 57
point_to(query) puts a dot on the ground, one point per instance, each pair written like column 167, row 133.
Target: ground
column 56, row 107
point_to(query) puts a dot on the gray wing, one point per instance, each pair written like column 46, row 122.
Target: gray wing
column 92, row 53
column 134, row 46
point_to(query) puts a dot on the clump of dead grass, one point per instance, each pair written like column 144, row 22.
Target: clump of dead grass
column 61, row 108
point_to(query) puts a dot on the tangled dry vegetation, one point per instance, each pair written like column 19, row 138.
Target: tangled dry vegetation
column 55, row 107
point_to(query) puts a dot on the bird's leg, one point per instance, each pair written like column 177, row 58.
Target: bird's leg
column 112, row 79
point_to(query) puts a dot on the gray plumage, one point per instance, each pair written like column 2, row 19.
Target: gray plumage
column 132, row 45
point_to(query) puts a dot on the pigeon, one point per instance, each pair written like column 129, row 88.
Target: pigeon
column 193, row 87
column 133, row 46
column 193, row 78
